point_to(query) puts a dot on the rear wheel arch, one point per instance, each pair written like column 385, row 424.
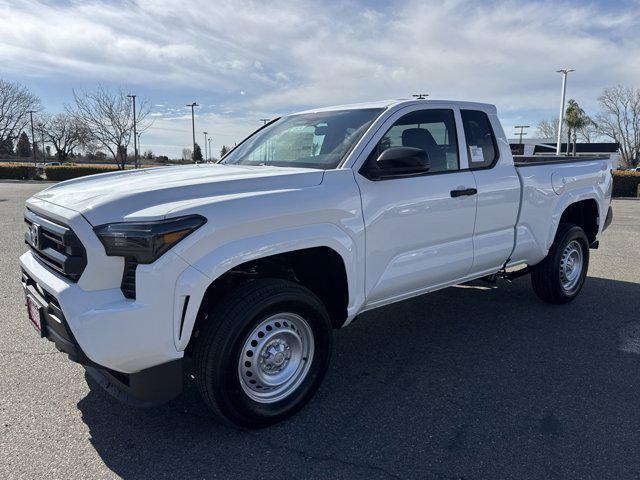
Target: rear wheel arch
column 553, row 279
column 584, row 214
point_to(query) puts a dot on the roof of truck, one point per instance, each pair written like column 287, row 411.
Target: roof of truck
column 487, row 107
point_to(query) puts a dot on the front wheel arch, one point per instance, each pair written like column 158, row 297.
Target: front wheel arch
column 319, row 269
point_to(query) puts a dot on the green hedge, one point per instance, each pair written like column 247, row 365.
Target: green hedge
column 626, row 183
column 18, row 171
column 67, row 172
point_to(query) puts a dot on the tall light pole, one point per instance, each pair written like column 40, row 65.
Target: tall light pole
column 44, row 153
column 564, row 72
column 193, row 127
column 210, row 157
column 33, row 140
column 135, row 133
column 205, row 145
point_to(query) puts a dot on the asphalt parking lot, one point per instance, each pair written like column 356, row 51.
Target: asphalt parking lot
column 471, row 382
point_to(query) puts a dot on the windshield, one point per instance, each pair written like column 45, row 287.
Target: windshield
column 308, row 140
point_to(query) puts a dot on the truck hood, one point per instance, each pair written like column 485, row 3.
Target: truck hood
column 153, row 193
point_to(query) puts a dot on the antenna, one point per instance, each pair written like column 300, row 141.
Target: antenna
column 420, row 96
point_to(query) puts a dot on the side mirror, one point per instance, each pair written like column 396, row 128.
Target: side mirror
column 399, row 162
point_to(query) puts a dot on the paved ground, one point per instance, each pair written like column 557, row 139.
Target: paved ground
column 470, row 383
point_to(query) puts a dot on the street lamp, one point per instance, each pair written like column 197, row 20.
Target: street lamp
column 44, row 154
column 564, row 72
column 135, row 133
column 33, row 139
column 193, row 127
column 205, row 145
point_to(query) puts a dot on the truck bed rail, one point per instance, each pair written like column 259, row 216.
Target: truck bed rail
column 531, row 160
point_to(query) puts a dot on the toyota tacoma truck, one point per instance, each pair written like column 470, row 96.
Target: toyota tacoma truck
column 235, row 274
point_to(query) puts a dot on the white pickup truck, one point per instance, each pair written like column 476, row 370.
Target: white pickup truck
column 238, row 272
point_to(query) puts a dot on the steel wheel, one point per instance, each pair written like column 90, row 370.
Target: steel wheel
column 571, row 264
column 276, row 357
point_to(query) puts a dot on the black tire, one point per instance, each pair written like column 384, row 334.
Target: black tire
column 546, row 277
column 221, row 343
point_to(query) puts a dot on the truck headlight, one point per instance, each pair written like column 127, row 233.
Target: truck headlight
column 146, row 241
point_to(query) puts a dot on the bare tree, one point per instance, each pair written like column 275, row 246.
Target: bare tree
column 108, row 118
column 619, row 120
column 186, row 154
column 15, row 103
column 548, row 128
column 66, row 133
column 589, row 133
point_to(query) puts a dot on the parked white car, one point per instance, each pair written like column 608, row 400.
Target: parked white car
column 245, row 267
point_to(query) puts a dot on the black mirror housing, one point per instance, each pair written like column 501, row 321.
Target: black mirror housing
column 399, row 162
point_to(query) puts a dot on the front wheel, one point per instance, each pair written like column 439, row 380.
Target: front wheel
column 263, row 352
column 560, row 276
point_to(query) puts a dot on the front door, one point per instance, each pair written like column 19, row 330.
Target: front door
column 419, row 230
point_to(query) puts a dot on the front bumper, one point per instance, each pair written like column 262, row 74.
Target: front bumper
column 136, row 344
column 151, row 386
column 54, row 324
column 115, row 332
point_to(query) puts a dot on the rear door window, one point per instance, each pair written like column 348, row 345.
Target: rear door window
column 482, row 147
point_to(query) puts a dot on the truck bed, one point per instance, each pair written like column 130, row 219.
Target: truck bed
column 549, row 184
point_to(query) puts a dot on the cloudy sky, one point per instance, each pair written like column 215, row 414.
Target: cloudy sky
column 243, row 61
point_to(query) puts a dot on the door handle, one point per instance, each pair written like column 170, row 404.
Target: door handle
column 463, row 192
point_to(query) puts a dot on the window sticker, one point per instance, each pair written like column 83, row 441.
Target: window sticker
column 476, row 154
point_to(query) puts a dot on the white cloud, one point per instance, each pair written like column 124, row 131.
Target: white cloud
column 261, row 58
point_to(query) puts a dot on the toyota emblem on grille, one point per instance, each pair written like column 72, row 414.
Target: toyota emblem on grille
column 34, row 232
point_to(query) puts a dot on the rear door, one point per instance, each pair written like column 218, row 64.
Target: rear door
column 419, row 229
column 498, row 186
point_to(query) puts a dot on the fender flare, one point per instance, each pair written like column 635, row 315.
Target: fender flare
column 194, row 282
column 566, row 200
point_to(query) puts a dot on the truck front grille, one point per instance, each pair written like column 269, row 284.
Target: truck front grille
column 55, row 245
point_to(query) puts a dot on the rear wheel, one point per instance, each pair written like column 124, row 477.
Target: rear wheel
column 263, row 352
column 560, row 276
